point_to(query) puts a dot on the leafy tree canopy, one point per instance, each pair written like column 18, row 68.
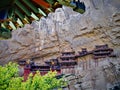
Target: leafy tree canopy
column 9, row 80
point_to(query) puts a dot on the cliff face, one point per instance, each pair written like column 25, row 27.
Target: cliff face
column 66, row 29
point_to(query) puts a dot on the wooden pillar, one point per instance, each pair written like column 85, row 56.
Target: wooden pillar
column 83, row 63
column 26, row 73
column 96, row 62
column 86, row 65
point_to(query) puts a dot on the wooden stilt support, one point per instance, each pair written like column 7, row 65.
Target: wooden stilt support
column 83, row 64
column 96, row 62
column 89, row 63
column 86, row 63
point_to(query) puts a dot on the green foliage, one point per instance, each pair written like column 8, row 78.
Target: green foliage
column 5, row 33
column 38, row 82
column 7, row 73
column 9, row 80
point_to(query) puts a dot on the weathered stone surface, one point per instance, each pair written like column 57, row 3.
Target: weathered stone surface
column 66, row 29
column 69, row 30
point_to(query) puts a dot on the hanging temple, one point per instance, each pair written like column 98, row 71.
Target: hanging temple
column 67, row 61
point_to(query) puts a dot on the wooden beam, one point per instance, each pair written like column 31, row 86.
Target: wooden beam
column 19, row 14
column 22, row 7
column 31, row 5
column 19, row 22
column 42, row 3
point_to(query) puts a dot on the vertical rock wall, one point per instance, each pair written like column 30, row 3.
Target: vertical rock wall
column 65, row 29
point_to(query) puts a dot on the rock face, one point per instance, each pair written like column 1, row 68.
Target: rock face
column 103, row 76
column 64, row 30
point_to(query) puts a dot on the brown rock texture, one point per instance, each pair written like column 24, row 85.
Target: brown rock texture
column 68, row 30
column 65, row 29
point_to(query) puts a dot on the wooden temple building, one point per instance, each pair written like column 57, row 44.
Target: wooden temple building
column 32, row 68
column 22, row 62
column 50, row 65
column 84, row 59
column 54, row 64
column 83, row 52
column 102, row 51
column 67, row 62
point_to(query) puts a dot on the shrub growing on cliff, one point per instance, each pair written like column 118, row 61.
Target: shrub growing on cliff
column 9, row 80
column 7, row 73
